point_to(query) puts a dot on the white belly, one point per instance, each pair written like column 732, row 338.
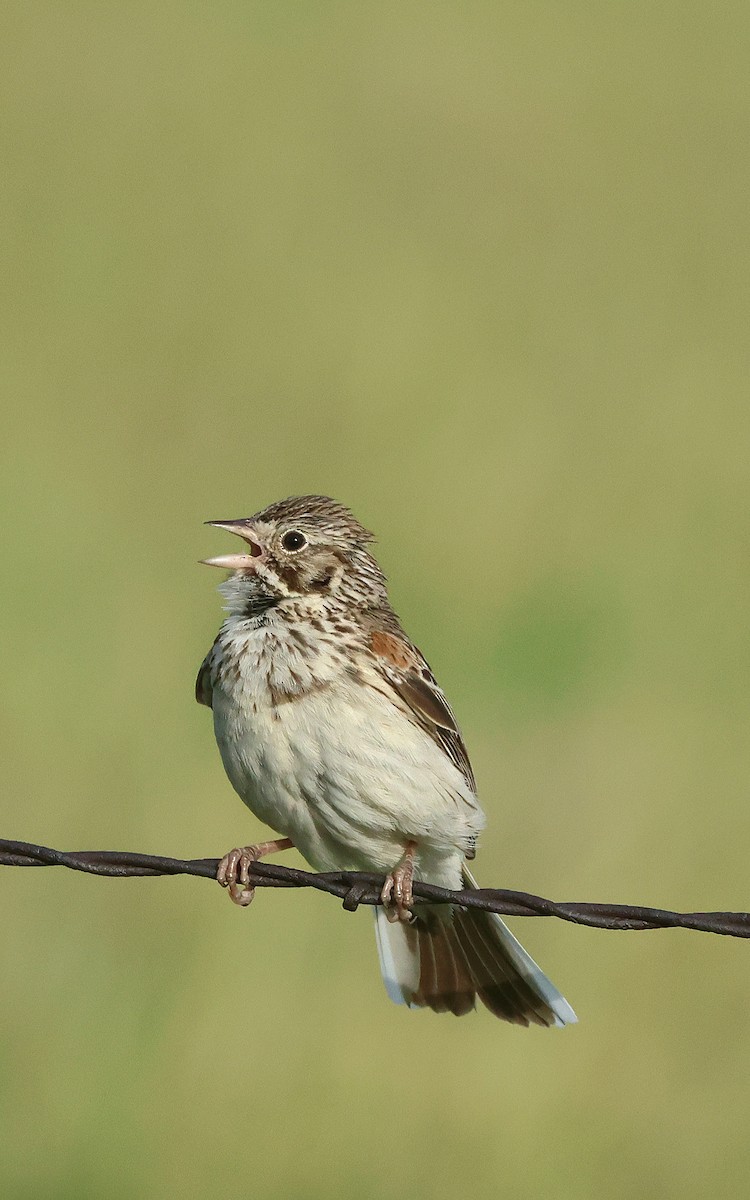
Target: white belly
column 347, row 776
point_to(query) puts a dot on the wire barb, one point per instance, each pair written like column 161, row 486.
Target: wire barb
column 361, row 887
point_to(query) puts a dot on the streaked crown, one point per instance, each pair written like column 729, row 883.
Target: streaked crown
column 322, row 512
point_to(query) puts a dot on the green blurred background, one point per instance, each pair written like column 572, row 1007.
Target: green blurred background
column 481, row 272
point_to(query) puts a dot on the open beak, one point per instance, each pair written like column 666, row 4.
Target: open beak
column 236, row 562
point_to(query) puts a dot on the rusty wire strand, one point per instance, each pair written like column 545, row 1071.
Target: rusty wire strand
column 359, row 887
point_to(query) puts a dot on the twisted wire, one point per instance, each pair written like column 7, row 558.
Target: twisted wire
column 361, row 887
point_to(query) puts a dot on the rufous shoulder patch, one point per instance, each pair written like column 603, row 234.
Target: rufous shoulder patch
column 393, row 650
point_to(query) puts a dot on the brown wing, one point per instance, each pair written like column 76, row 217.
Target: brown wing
column 203, row 688
column 407, row 671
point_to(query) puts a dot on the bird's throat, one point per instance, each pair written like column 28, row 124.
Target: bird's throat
column 258, row 605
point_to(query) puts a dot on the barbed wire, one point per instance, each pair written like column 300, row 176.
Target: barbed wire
column 362, row 887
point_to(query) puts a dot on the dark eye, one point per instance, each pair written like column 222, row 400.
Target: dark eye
column 293, row 540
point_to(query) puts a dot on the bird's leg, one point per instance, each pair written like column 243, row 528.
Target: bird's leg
column 396, row 896
column 233, row 871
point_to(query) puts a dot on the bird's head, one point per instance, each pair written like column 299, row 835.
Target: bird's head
column 307, row 548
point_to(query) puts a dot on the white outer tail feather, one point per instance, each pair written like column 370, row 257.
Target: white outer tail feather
column 399, row 961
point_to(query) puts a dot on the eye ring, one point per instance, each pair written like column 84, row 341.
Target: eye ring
column 293, row 540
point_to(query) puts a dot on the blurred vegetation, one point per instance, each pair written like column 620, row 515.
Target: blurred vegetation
column 481, row 272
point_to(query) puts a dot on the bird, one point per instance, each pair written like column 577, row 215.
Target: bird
column 335, row 733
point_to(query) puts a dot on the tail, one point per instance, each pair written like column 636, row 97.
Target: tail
column 446, row 965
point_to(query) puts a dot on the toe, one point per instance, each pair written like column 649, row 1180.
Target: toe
column 246, row 861
column 241, row 895
column 226, row 872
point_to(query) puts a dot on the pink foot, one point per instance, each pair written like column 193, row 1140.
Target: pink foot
column 397, row 895
column 233, row 871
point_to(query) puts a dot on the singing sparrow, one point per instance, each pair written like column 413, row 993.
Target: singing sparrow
column 333, row 730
